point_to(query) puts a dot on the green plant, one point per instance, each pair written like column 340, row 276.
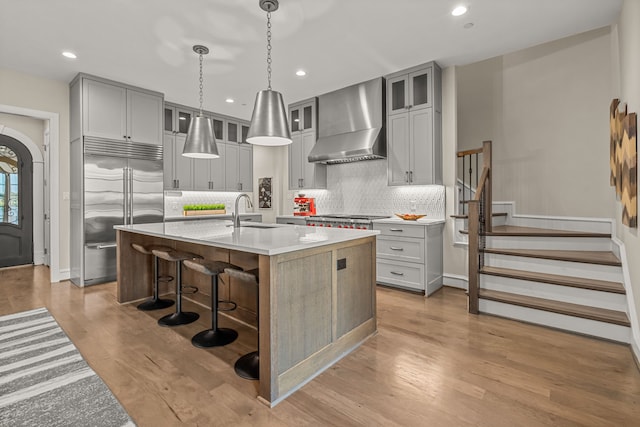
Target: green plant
column 213, row 207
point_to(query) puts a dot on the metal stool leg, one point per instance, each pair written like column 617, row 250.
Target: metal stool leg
column 215, row 336
column 155, row 303
column 248, row 366
column 179, row 317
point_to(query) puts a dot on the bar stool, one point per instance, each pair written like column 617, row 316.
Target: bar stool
column 155, row 302
column 179, row 317
column 215, row 336
column 248, row 366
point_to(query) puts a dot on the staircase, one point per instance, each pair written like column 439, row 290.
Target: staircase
column 560, row 273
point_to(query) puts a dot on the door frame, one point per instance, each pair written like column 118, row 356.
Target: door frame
column 52, row 182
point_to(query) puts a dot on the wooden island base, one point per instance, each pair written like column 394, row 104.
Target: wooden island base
column 316, row 304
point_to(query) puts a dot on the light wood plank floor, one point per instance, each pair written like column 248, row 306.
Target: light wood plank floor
column 431, row 364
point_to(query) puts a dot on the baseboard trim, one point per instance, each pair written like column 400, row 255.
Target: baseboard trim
column 64, row 274
column 456, row 281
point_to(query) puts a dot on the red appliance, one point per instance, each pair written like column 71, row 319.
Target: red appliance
column 304, row 206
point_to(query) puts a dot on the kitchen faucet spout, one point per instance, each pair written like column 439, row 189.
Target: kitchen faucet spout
column 235, row 216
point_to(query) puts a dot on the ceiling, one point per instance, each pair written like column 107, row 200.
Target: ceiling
column 148, row 43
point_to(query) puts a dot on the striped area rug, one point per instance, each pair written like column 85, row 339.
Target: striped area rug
column 45, row 382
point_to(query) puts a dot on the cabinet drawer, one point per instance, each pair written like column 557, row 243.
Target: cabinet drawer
column 400, row 230
column 403, row 274
column 400, row 248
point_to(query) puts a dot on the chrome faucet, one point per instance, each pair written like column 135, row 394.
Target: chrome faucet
column 235, row 216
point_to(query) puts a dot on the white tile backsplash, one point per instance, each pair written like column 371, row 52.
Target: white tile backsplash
column 174, row 200
column 361, row 187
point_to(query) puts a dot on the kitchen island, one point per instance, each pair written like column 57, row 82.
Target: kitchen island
column 316, row 288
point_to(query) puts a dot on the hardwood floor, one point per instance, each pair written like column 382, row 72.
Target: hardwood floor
column 431, row 364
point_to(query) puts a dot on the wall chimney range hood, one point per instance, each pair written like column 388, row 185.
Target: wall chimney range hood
column 351, row 124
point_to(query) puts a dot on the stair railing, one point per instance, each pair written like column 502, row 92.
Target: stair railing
column 479, row 223
column 465, row 191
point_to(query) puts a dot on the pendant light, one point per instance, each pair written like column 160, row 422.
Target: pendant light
column 269, row 124
column 200, row 142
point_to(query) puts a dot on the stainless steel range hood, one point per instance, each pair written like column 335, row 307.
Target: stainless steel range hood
column 351, row 124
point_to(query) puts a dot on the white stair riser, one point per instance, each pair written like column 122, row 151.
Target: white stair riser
column 552, row 243
column 499, row 220
column 560, row 321
column 568, row 294
column 564, row 268
column 568, row 224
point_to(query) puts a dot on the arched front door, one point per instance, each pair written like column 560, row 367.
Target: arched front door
column 16, row 203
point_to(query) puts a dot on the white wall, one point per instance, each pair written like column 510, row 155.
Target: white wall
column 26, row 91
column 546, row 109
column 627, row 88
column 33, row 128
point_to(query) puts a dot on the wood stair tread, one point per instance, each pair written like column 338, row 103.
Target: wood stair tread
column 593, row 313
column 514, row 230
column 496, row 214
column 589, row 257
column 556, row 279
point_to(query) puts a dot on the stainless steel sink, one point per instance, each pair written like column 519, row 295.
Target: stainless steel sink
column 258, row 226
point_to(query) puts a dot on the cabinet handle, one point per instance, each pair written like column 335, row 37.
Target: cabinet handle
column 302, row 180
column 406, row 177
column 124, row 136
column 396, row 273
column 128, row 137
column 396, row 229
column 177, row 183
column 410, row 176
column 240, row 186
column 393, row 248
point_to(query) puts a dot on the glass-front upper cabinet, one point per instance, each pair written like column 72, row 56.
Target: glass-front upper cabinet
column 302, row 115
column 411, row 91
column 233, row 135
column 218, row 128
column 245, row 133
column 176, row 119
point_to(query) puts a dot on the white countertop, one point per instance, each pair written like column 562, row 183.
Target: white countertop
column 216, row 216
column 274, row 240
column 422, row 221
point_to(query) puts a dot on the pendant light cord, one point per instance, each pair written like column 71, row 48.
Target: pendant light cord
column 201, row 84
column 269, row 48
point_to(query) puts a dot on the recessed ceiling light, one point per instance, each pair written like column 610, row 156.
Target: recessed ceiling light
column 301, row 73
column 460, row 10
column 230, row 100
column 69, row 55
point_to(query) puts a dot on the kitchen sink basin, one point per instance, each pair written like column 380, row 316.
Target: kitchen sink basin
column 257, row 226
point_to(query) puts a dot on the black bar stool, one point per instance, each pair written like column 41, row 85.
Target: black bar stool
column 155, row 302
column 248, row 366
column 179, row 317
column 215, row 336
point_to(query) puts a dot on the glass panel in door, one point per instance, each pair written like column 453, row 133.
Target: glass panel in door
column 397, row 95
column 9, row 197
column 184, row 119
column 245, row 133
column 232, row 132
column 168, row 119
column 421, row 88
column 295, row 120
column 218, row 129
column 307, row 119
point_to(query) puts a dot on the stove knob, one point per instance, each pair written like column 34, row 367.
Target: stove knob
column 351, row 226
column 328, row 225
column 320, row 225
column 339, row 226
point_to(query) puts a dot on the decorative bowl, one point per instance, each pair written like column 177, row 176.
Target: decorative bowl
column 410, row 217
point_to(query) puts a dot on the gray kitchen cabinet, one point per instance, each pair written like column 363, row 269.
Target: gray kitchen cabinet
column 119, row 112
column 209, row 174
column 409, row 255
column 414, row 136
column 304, row 133
column 238, row 167
column 178, row 169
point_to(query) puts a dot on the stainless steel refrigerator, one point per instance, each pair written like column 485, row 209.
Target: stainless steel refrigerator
column 120, row 183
